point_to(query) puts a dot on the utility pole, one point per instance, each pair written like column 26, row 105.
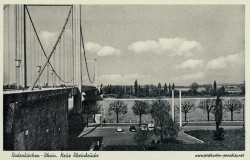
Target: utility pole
column 180, row 110
column 96, row 76
column 173, row 105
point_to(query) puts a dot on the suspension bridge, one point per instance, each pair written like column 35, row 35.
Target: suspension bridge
column 38, row 81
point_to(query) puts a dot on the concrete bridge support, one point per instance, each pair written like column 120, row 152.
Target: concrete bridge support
column 36, row 120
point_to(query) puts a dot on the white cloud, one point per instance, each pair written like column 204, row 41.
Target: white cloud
column 108, row 51
column 146, row 46
column 191, row 63
column 48, row 38
column 92, row 47
column 171, row 46
column 101, row 50
column 224, row 62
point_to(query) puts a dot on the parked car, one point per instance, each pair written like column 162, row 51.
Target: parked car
column 132, row 129
column 157, row 141
column 119, row 129
column 143, row 127
column 151, row 126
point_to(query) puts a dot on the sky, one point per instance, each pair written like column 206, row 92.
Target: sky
column 154, row 44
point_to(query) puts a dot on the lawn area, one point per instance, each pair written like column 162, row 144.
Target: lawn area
column 194, row 115
column 234, row 141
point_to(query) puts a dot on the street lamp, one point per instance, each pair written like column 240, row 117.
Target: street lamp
column 18, row 62
column 38, row 70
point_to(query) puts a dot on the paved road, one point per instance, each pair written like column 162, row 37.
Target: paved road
column 111, row 137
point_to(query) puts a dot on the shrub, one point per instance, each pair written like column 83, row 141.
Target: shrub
column 141, row 136
column 219, row 134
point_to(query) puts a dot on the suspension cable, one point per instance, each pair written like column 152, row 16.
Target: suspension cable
column 86, row 63
column 53, row 47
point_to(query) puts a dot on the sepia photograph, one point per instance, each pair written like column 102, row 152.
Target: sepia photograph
column 84, row 78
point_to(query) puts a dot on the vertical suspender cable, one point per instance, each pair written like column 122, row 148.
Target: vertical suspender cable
column 30, row 57
column 67, row 55
column 75, row 40
column 8, row 44
column 80, row 47
column 73, row 57
column 34, row 60
column 15, row 20
column 21, row 48
column 75, row 18
column 59, row 58
column 64, row 58
column 24, row 47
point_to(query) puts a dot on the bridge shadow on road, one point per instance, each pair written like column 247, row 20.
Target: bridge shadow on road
column 76, row 143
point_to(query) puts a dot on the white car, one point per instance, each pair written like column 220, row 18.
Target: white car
column 143, row 127
column 151, row 126
column 119, row 129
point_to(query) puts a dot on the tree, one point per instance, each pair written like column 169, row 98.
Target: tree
column 186, row 107
column 165, row 89
column 173, row 86
column 110, row 89
column 119, row 107
column 169, row 89
column 207, row 105
column 215, row 86
column 95, row 108
column 194, row 86
column 131, row 90
column 221, row 91
column 159, row 88
column 208, row 89
column 141, row 137
column 160, row 113
column 146, row 90
column 136, row 86
column 232, row 105
column 219, row 133
column 139, row 91
column 87, row 108
column 140, row 108
column 101, row 89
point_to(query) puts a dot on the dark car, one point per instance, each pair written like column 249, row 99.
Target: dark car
column 132, row 129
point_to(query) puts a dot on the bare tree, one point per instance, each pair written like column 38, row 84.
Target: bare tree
column 95, row 109
column 87, row 107
column 232, row 105
column 119, row 107
column 140, row 108
column 186, row 107
column 207, row 105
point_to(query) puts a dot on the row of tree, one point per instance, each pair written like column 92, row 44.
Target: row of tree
column 166, row 90
column 208, row 106
column 138, row 90
column 143, row 108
